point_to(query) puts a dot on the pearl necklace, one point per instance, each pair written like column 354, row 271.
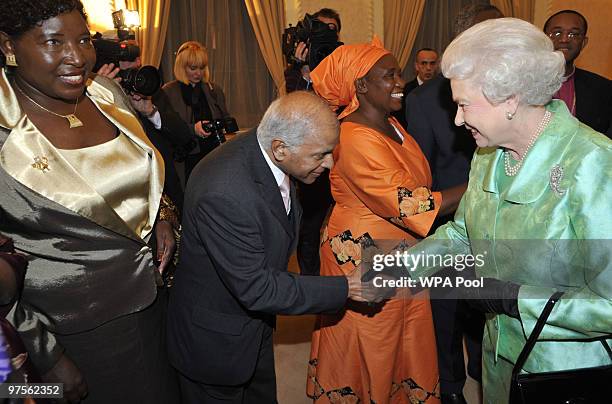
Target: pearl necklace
column 511, row 170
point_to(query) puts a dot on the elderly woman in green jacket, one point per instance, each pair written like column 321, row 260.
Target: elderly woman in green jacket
column 537, row 210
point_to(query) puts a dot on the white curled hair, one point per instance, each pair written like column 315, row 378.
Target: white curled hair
column 506, row 57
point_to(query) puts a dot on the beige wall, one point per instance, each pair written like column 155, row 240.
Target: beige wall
column 597, row 55
column 99, row 13
column 360, row 18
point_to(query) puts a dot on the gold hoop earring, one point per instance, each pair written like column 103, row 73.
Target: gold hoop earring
column 11, row 60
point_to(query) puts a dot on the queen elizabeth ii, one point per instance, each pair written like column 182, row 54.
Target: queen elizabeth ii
column 537, row 204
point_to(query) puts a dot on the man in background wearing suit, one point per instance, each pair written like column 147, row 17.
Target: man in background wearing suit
column 425, row 66
column 587, row 95
column 240, row 226
column 430, row 115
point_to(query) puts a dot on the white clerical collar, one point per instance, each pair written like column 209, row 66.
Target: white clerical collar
column 279, row 175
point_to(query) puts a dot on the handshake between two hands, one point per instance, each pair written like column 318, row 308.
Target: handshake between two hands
column 487, row 295
column 363, row 287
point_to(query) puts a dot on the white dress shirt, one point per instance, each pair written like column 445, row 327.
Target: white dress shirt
column 282, row 180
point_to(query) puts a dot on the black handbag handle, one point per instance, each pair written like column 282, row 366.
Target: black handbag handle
column 533, row 338
column 535, row 334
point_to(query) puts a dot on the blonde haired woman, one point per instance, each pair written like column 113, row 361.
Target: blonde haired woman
column 195, row 98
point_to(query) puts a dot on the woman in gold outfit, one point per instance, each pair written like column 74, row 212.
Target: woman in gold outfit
column 81, row 194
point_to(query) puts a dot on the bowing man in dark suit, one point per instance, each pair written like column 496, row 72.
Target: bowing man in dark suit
column 240, row 226
column 587, row 95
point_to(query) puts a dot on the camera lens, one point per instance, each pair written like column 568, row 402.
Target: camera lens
column 145, row 81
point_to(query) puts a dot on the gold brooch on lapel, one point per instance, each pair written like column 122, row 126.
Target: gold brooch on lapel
column 41, row 163
column 556, row 175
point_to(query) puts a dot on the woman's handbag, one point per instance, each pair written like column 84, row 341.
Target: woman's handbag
column 574, row 386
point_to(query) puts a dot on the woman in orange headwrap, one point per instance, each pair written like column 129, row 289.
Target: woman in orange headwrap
column 381, row 184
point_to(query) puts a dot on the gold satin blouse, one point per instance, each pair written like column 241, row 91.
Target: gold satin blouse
column 119, row 171
column 87, row 266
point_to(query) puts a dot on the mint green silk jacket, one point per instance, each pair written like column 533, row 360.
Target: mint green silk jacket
column 549, row 229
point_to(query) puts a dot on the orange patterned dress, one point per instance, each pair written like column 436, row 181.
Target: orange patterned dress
column 384, row 353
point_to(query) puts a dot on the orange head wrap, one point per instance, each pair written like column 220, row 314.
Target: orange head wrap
column 334, row 78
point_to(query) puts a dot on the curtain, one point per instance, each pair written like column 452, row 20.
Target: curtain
column 523, row 9
column 235, row 60
column 436, row 29
column 268, row 20
column 153, row 26
column 402, row 21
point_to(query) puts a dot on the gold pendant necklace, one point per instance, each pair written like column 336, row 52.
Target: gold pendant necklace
column 72, row 119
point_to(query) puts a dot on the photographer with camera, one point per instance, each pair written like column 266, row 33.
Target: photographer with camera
column 164, row 128
column 305, row 45
column 198, row 102
column 297, row 74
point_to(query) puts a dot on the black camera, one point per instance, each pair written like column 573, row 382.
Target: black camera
column 144, row 80
column 217, row 129
column 320, row 39
column 109, row 51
